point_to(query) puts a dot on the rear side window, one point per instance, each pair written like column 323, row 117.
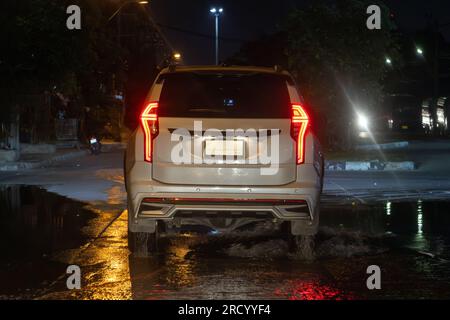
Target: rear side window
column 224, row 95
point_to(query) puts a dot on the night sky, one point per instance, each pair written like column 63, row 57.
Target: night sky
column 250, row 19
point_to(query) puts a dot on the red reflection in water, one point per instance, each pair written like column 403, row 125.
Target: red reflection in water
column 311, row 290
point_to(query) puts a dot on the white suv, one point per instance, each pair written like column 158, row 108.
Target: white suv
column 221, row 148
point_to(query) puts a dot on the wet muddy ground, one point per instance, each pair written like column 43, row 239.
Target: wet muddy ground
column 42, row 233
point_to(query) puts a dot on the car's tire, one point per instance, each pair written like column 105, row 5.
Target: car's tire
column 303, row 228
column 322, row 177
column 304, row 246
column 143, row 243
column 125, row 170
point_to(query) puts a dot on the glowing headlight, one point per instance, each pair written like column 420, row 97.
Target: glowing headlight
column 363, row 122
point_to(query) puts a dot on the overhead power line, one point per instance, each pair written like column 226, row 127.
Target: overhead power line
column 199, row 34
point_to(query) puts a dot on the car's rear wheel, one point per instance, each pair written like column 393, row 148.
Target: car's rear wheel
column 304, row 246
column 125, row 171
column 303, row 242
column 143, row 243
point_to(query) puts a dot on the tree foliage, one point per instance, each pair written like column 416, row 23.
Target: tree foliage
column 39, row 53
column 335, row 58
column 268, row 51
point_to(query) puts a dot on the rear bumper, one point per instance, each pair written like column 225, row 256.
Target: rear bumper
column 292, row 202
column 169, row 208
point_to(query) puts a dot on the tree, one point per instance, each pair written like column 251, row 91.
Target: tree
column 40, row 54
column 268, row 51
column 338, row 62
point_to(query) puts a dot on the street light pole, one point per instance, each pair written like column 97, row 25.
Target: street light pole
column 123, row 5
column 217, row 13
column 119, row 28
column 217, row 39
column 119, row 42
column 119, row 17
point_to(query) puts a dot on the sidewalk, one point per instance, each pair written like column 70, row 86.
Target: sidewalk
column 418, row 155
column 371, row 165
column 32, row 161
column 393, row 156
column 40, row 160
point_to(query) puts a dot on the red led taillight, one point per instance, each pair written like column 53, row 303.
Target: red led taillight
column 299, row 125
column 149, row 122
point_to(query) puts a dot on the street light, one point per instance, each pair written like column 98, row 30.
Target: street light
column 123, row 5
column 214, row 10
column 217, row 12
column 419, row 51
column 388, row 61
column 177, row 56
column 363, row 121
column 119, row 24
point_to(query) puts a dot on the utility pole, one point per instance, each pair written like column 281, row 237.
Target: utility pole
column 119, row 29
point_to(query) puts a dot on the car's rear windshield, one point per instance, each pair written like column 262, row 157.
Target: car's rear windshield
column 224, row 95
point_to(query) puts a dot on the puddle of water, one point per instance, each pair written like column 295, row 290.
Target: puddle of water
column 253, row 265
column 410, row 241
column 417, row 225
column 346, row 231
column 268, row 249
column 35, row 224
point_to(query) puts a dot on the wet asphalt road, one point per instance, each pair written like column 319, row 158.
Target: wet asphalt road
column 42, row 233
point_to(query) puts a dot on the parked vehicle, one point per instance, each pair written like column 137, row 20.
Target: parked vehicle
column 434, row 116
column 222, row 148
column 407, row 114
column 441, row 127
column 357, row 125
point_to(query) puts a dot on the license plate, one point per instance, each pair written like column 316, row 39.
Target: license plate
column 405, row 127
column 93, row 141
column 224, row 148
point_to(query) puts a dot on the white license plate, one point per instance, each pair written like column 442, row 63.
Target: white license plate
column 93, row 141
column 224, row 148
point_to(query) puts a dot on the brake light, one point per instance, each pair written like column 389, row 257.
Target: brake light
column 149, row 122
column 299, row 125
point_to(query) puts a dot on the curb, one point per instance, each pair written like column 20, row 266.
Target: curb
column 373, row 165
column 383, row 146
column 16, row 166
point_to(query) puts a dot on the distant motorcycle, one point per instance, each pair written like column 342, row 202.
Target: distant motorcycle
column 95, row 146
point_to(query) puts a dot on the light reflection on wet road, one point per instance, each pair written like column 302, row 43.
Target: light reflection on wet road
column 410, row 241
